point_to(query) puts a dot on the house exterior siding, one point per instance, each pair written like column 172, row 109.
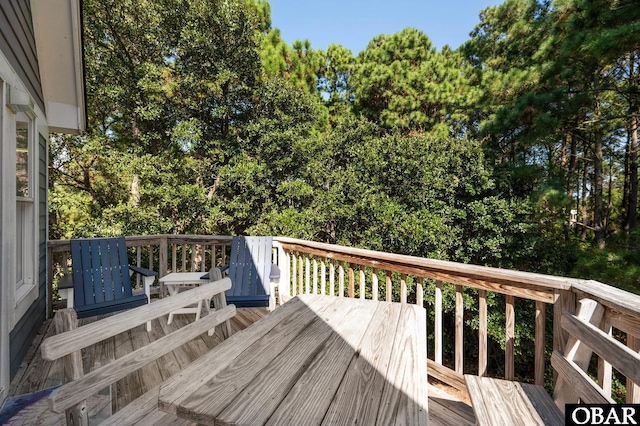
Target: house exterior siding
column 17, row 43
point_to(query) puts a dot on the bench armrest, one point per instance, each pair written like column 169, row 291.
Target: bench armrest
column 222, row 270
column 143, row 271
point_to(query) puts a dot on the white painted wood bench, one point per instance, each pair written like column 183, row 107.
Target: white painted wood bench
column 67, row 344
column 500, row 402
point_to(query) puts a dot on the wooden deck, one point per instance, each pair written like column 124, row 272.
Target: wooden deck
column 36, row 374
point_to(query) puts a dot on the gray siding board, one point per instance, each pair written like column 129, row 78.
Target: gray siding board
column 25, row 10
column 18, row 31
column 25, row 33
column 25, row 331
column 17, row 42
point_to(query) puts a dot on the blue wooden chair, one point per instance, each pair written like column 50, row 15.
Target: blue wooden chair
column 101, row 277
column 253, row 276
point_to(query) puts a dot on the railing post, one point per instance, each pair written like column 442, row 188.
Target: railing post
column 164, row 259
column 509, row 333
column 66, row 320
column 565, row 301
column 164, row 256
column 539, row 343
column 284, row 264
column 49, row 307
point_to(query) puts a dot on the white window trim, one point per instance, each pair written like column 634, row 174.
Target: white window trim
column 27, row 291
column 13, row 304
column 29, row 268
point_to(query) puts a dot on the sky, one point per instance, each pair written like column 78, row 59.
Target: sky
column 353, row 23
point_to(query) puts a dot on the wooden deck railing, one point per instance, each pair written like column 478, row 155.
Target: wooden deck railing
column 352, row 272
column 318, row 268
column 161, row 253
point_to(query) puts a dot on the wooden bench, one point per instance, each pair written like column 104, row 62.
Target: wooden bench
column 500, row 402
column 67, row 344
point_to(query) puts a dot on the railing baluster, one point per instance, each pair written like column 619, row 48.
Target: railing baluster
column 374, row 284
column 323, row 278
column 605, row 370
column 184, row 257
column 539, row 344
column 332, row 278
column 419, row 292
column 300, row 276
column 340, row 280
column 387, row 283
column 138, row 264
column 352, row 285
column 307, row 276
column 482, row 332
column 315, row 276
column 294, row 275
column 194, row 252
column 174, row 257
column 509, row 373
column 224, row 253
column 362, row 282
column 403, row 288
column 437, row 326
column 459, row 343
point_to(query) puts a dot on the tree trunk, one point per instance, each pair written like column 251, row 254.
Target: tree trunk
column 598, row 184
column 632, row 203
column 627, row 183
column 585, row 186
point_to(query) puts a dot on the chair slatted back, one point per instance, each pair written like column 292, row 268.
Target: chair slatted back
column 100, row 270
column 249, row 266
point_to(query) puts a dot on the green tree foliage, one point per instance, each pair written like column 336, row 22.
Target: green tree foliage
column 202, row 119
column 175, row 92
column 334, row 74
column 400, row 81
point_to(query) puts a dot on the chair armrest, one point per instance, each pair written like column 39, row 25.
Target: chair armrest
column 275, row 272
column 65, row 281
column 142, row 271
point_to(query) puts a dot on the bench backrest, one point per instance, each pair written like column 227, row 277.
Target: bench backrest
column 70, row 340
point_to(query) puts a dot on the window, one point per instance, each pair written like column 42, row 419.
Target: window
column 25, row 206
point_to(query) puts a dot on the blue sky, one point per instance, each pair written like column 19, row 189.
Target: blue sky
column 353, row 23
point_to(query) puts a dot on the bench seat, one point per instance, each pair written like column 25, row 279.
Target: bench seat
column 503, row 402
column 500, row 402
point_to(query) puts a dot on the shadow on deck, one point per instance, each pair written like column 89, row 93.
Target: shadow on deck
column 37, row 374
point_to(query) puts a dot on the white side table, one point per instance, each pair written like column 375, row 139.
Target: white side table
column 174, row 281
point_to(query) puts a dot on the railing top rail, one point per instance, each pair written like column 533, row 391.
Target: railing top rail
column 614, row 298
column 453, row 268
column 135, row 240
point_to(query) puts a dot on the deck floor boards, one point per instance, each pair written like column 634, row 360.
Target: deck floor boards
column 36, row 374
